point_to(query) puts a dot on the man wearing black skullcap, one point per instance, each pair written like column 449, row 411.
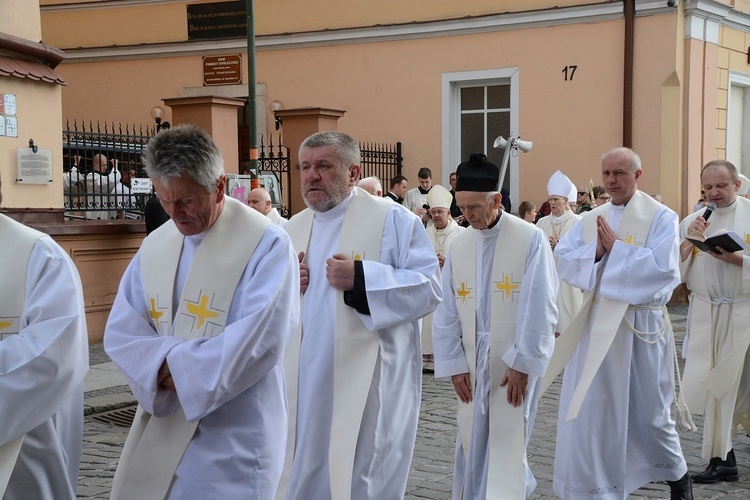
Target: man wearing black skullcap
column 488, row 341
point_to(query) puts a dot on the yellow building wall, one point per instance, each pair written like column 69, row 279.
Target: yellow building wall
column 152, row 21
column 732, row 56
column 20, row 18
column 39, row 117
column 391, row 91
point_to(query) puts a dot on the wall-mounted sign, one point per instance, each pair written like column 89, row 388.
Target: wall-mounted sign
column 2, row 125
column 11, row 126
column 222, row 70
column 209, row 21
column 34, row 168
column 8, row 104
column 140, row 185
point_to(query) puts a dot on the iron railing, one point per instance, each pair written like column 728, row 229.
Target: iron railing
column 381, row 160
column 91, row 193
column 98, row 162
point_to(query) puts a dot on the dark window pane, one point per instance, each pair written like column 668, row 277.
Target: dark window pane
column 472, row 98
column 498, row 123
column 472, row 134
column 498, row 97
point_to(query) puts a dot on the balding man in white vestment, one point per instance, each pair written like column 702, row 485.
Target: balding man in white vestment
column 615, row 433
column 717, row 371
column 260, row 199
column 198, row 328
column 354, row 368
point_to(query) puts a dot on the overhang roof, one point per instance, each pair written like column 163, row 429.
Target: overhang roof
column 21, row 68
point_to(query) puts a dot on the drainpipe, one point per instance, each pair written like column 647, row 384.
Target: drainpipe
column 627, row 97
column 39, row 50
column 251, row 101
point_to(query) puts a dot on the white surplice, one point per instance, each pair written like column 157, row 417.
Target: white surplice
column 233, row 382
column 725, row 311
column 569, row 298
column 624, row 436
column 401, row 288
column 530, row 353
column 276, row 217
column 41, row 377
column 441, row 240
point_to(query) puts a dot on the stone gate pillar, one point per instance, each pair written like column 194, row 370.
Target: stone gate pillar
column 298, row 125
column 215, row 115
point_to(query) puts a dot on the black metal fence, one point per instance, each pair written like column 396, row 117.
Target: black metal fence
column 381, row 160
column 99, row 161
column 274, row 173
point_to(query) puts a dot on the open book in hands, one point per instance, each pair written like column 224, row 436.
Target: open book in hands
column 728, row 240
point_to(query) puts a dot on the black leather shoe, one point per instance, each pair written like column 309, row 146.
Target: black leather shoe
column 719, row 470
column 682, row 489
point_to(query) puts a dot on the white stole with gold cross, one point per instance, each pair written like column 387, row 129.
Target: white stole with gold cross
column 505, row 473
column 634, row 228
column 701, row 377
column 15, row 251
column 356, row 349
column 155, row 445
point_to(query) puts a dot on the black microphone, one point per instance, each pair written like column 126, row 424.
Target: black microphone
column 710, row 207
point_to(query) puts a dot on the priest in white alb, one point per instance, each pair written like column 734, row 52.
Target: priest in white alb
column 615, row 433
column 354, row 367
column 198, row 328
column 260, row 199
column 560, row 189
column 717, row 367
column 441, row 235
column 493, row 335
column 43, row 360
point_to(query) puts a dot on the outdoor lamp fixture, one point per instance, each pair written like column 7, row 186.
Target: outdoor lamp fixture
column 275, row 106
column 157, row 113
column 511, row 144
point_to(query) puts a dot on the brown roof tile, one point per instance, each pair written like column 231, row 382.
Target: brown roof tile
column 21, row 68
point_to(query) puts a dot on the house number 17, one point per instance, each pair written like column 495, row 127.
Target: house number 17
column 568, row 72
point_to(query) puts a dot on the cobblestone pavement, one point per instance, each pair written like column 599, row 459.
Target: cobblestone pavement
column 432, row 466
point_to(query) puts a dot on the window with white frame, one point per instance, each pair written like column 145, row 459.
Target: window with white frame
column 738, row 121
column 479, row 106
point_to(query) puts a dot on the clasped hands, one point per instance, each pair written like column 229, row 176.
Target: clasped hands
column 339, row 272
column 164, row 378
column 605, row 237
column 516, row 381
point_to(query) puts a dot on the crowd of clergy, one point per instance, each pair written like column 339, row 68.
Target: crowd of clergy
column 287, row 364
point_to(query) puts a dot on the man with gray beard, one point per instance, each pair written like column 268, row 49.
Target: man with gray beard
column 354, row 367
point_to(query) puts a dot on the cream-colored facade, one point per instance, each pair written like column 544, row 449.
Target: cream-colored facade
column 398, row 71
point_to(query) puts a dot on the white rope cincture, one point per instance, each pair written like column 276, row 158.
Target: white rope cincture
column 647, row 336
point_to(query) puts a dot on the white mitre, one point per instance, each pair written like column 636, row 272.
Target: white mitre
column 439, row 197
column 560, row 185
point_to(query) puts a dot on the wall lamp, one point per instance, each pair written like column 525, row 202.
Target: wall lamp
column 157, row 113
column 275, row 106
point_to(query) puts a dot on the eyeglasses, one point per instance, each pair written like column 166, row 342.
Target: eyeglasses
column 581, row 193
column 605, row 198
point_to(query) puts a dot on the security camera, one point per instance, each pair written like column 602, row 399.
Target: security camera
column 671, row 3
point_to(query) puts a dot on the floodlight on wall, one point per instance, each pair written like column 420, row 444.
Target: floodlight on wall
column 275, row 106
column 511, row 145
column 157, row 113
